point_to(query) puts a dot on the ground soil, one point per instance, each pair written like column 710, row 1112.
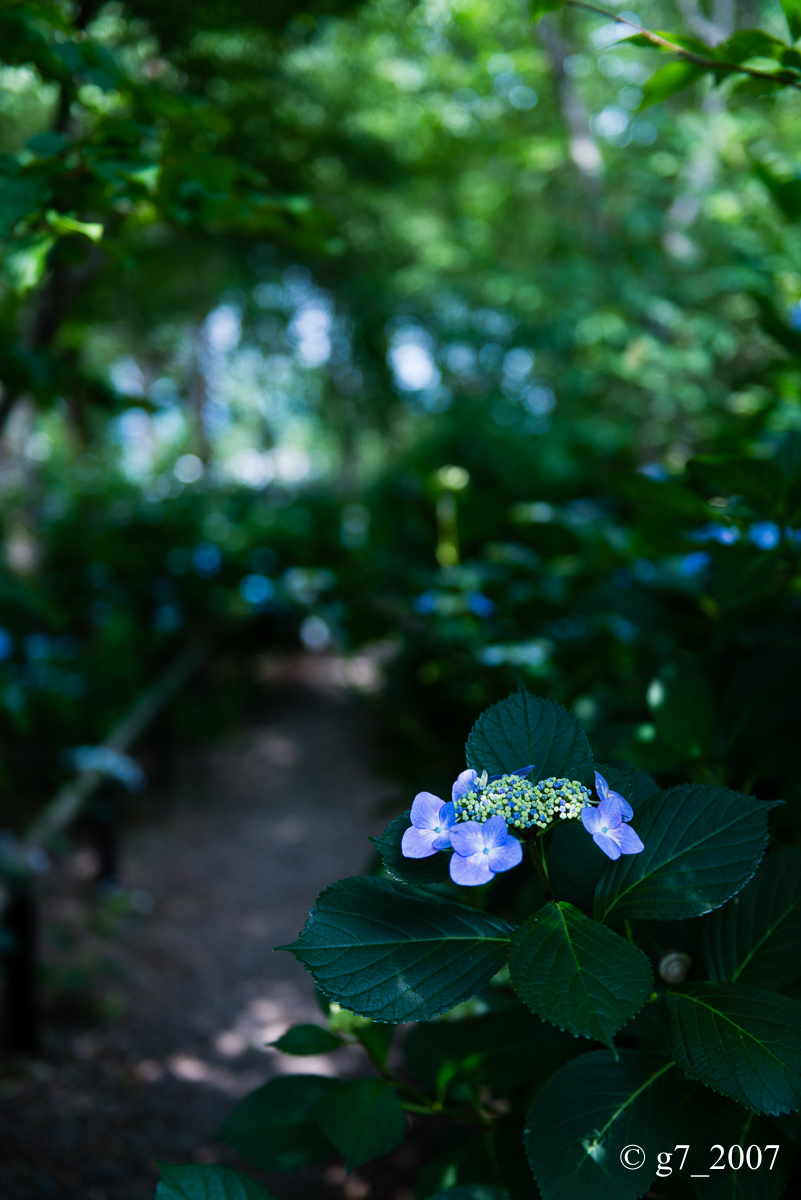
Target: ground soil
column 162, row 1000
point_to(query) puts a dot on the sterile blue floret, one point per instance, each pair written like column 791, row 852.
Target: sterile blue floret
column 608, row 829
column 482, row 851
column 430, row 828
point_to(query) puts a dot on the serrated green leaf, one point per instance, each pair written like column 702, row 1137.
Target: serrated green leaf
column 591, row 1110
column 363, row 1118
column 741, row 1041
column 792, row 13
column 702, row 845
column 388, row 952
column 276, row 1128
column 195, row 1182
column 578, row 974
column 732, row 1125
column 417, row 871
column 307, row 1039
column 668, row 80
column 756, row 937
column 525, row 729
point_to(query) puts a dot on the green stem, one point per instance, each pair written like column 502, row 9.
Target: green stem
column 538, row 858
column 663, row 43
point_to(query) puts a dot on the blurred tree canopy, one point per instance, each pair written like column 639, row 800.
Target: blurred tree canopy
column 271, row 274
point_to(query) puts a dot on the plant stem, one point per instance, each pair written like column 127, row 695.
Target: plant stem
column 712, row 64
column 538, row 858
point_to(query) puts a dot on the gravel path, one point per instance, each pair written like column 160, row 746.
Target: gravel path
column 190, row 989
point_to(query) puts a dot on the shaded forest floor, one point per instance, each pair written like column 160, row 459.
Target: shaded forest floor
column 185, row 990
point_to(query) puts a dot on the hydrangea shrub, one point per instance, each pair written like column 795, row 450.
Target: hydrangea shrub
column 588, row 970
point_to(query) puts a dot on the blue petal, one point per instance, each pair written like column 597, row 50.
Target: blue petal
column 418, row 843
column 601, row 786
column 628, row 840
column 425, row 811
column 468, row 838
column 471, row 870
column 503, row 858
column 607, row 844
column 627, row 812
column 466, row 782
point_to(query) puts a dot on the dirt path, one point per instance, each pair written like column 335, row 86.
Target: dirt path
column 258, row 825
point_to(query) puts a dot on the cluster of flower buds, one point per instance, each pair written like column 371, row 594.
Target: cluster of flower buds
column 520, row 803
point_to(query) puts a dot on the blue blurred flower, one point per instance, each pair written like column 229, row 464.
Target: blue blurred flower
column 430, row 828
column 425, row 603
column 256, row 590
column 609, row 832
column 714, row 531
column 6, row 645
column 479, row 604
column 765, row 535
column 481, row 851
column 693, row 564
column 207, row 559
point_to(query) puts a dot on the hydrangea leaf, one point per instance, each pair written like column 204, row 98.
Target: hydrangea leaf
column 756, row 937
column 578, row 974
column 591, row 1110
column 195, row 1182
column 702, row 845
column 417, row 871
column 524, row 729
column 307, row 1039
column 276, row 1128
column 741, row 1041
column 363, row 1118
column 730, row 1125
column 396, row 954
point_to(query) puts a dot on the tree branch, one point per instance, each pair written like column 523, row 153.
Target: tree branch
column 711, row 64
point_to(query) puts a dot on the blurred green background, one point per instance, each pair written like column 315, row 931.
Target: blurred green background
column 403, row 330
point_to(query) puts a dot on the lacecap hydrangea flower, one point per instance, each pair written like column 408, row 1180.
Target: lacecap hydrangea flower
column 475, row 823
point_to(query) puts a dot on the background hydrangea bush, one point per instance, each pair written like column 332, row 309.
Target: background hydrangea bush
column 563, row 1013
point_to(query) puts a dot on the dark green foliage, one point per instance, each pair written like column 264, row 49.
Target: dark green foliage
column 587, row 1114
column 276, row 1127
column 363, row 1119
column 702, row 844
column 502, row 1050
column 524, row 730
column 307, row 1039
column 576, row 974
column 756, row 938
column 393, row 954
column 408, row 870
column 193, row 1182
column 741, row 1041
